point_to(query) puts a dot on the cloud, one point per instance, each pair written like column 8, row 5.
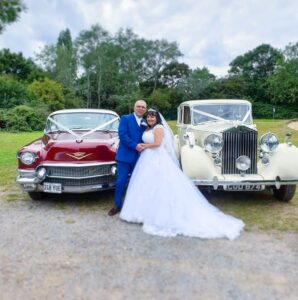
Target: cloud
column 210, row 33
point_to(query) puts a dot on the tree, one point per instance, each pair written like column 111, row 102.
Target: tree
column 65, row 64
column 18, row 66
column 232, row 87
column 60, row 61
column 173, row 73
column 283, row 84
column 195, row 86
column 12, row 92
column 159, row 53
column 10, row 11
column 47, row 92
column 160, row 98
column 96, row 55
column 24, row 118
column 256, row 66
column 131, row 59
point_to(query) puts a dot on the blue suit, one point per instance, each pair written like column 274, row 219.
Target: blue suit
column 130, row 134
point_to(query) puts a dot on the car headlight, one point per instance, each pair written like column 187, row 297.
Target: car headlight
column 269, row 142
column 27, row 158
column 243, row 163
column 213, row 143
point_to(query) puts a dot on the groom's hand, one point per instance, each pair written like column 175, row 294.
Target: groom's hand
column 140, row 147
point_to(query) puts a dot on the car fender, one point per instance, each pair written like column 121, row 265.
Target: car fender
column 196, row 163
column 283, row 163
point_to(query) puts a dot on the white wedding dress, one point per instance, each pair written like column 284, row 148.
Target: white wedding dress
column 167, row 203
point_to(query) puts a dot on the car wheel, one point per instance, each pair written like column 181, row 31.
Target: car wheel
column 36, row 195
column 285, row 192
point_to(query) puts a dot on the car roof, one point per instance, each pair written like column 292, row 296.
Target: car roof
column 83, row 110
column 215, row 101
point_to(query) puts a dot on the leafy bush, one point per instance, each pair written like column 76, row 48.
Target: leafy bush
column 24, row 118
column 268, row 111
column 12, row 92
column 47, row 92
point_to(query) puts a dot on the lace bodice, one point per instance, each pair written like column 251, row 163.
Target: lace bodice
column 148, row 135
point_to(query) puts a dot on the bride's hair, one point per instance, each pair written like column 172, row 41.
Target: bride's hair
column 154, row 112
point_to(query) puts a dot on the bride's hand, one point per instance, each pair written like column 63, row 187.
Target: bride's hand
column 140, row 147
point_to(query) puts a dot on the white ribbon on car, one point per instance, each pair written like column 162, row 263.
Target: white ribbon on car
column 79, row 137
column 208, row 115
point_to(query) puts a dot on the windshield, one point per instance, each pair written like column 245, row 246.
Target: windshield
column 82, row 121
column 221, row 112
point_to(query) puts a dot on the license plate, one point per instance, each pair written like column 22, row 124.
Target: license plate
column 52, row 188
column 244, row 187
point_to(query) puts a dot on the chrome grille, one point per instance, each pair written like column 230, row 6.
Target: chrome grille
column 86, row 171
column 237, row 142
column 103, row 180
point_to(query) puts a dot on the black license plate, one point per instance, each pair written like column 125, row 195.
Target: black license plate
column 244, row 187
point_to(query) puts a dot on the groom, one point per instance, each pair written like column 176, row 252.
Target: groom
column 130, row 134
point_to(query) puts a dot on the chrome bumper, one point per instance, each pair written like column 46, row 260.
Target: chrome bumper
column 30, row 182
column 224, row 183
column 81, row 189
column 34, row 185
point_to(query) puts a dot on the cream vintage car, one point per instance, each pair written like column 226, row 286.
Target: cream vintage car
column 218, row 147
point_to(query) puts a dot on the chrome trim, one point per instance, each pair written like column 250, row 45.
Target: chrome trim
column 26, row 171
column 80, row 189
column 85, row 177
column 30, row 177
column 22, row 180
column 24, row 151
column 241, row 182
column 78, row 165
column 239, row 142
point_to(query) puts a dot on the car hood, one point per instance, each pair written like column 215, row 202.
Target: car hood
column 63, row 147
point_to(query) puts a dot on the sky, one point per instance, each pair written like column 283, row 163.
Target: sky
column 209, row 33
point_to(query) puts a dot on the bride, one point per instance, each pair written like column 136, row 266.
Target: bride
column 163, row 199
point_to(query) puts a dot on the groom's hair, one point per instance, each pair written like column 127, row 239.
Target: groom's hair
column 154, row 112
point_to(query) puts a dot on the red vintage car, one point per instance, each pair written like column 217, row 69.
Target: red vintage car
column 75, row 155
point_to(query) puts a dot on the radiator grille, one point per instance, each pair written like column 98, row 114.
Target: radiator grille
column 58, row 171
column 237, row 142
column 104, row 180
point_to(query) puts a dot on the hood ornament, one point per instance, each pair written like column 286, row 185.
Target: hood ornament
column 78, row 155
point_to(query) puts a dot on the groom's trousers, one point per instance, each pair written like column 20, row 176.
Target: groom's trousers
column 124, row 169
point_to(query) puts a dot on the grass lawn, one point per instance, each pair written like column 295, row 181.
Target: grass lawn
column 258, row 210
column 10, row 144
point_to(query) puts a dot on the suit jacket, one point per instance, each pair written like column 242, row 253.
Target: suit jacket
column 130, row 134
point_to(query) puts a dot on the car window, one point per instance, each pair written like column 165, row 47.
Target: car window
column 213, row 112
column 83, row 121
column 186, row 115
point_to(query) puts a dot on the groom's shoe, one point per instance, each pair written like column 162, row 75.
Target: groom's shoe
column 113, row 211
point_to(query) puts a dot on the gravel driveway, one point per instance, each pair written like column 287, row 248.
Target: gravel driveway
column 68, row 248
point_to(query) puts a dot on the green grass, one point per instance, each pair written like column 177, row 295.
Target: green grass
column 258, row 210
column 10, row 144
